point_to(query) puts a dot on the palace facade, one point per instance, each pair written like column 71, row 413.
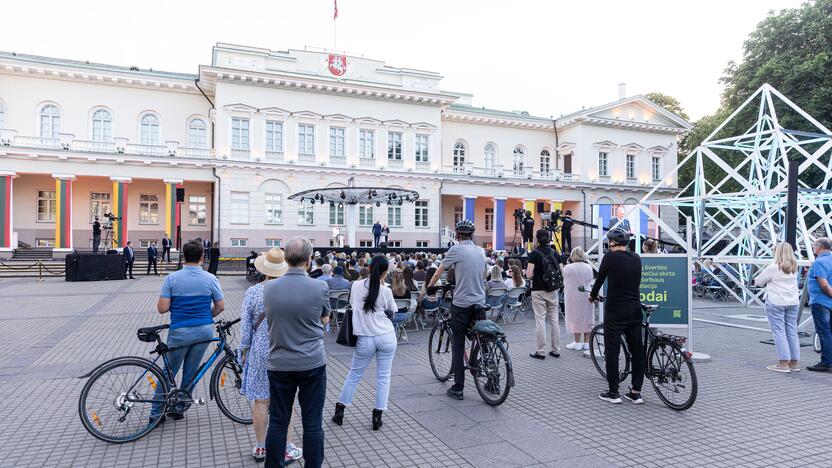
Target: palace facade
column 80, row 139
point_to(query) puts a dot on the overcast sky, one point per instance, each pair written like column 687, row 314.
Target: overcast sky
column 546, row 57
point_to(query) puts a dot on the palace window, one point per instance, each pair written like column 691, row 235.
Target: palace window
column 336, row 214
column 490, row 155
column 239, row 207
column 148, row 209
column 46, row 206
column 421, row 213
column 422, row 148
column 519, row 159
column 422, row 244
column 603, row 164
column 394, row 146
column 274, row 242
column 149, row 129
column 102, row 125
column 274, row 137
column 365, row 215
column 545, row 161
column 197, row 210
column 197, row 134
column 630, row 166
column 657, row 168
column 50, row 121
column 239, row 242
column 240, row 134
column 489, row 219
column 273, row 208
column 394, row 216
column 457, row 214
column 306, row 139
column 99, row 204
column 306, row 213
column 366, row 143
column 459, row 153
column 336, row 142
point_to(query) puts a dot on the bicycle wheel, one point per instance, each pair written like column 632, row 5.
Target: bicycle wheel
column 491, row 374
column 672, row 375
column 598, row 355
column 226, row 384
column 439, row 350
column 107, row 405
column 816, row 343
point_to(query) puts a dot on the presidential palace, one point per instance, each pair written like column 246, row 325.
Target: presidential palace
column 218, row 153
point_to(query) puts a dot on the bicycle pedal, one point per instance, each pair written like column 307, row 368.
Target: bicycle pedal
column 200, row 402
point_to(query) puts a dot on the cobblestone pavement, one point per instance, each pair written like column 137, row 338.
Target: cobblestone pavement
column 744, row 416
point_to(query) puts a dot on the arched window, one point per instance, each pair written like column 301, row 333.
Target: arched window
column 149, row 129
column 50, row 121
column 459, row 153
column 545, row 161
column 2, row 114
column 197, row 134
column 519, row 158
column 102, row 125
column 490, row 155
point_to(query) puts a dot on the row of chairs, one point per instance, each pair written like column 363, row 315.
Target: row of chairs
column 504, row 302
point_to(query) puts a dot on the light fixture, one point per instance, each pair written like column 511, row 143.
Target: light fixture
column 343, row 195
column 332, row 203
column 340, row 205
column 301, row 200
column 378, row 203
column 393, row 195
column 400, row 202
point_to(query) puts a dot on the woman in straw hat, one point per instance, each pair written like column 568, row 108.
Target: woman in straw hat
column 254, row 352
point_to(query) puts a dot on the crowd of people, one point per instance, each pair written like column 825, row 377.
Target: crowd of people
column 285, row 315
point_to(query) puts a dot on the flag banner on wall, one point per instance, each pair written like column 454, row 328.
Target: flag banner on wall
column 120, row 211
column 63, row 213
column 6, row 213
column 171, row 210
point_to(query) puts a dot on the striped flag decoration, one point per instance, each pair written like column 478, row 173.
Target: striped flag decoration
column 120, row 211
column 171, row 209
column 6, row 211
column 63, row 213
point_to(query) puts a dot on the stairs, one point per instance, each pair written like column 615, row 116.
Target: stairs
column 32, row 254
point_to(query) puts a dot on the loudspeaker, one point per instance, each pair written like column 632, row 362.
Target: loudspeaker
column 180, row 195
column 540, row 207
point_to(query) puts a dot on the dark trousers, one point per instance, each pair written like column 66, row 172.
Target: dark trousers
column 96, row 241
column 376, row 240
column 567, row 241
column 152, row 261
column 821, row 315
column 310, row 386
column 128, row 269
column 633, row 334
column 461, row 317
column 166, row 254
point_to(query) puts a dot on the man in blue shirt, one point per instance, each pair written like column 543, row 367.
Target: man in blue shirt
column 193, row 297
column 820, row 298
column 338, row 282
column 326, row 273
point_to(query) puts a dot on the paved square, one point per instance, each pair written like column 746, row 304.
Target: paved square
column 744, row 415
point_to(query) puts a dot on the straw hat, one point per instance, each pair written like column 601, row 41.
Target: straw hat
column 272, row 263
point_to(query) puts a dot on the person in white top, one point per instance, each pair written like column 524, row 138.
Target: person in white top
column 373, row 307
column 782, row 304
column 579, row 312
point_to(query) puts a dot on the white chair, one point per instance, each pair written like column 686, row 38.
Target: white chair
column 339, row 301
column 514, row 302
column 400, row 323
column 495, row 298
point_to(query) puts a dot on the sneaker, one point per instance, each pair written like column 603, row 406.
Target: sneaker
column 779, row 368
column 586, row 346
column 573, row 345
column 176, row 416
column 634, row 397
column 554, row 354
column 610, row 397
column 293, row 453
column 537, row 356
column 819, row 367
column 455, row 394
column 794, row 366
column 161, row 418
column 259, row 454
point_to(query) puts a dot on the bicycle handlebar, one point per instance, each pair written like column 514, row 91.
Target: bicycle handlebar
column 226, row 325
column 649, row 308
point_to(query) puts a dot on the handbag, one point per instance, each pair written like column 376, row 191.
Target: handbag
column 345, row 335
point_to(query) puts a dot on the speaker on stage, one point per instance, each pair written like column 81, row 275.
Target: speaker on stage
column 180, row 195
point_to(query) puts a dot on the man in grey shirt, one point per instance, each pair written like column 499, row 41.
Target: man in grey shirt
column 297, row 309
column 469, row 267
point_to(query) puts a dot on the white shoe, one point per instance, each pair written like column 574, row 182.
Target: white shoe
column 573, row 345
column 586, row 346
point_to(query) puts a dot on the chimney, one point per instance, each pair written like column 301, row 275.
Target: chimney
column 622, row 91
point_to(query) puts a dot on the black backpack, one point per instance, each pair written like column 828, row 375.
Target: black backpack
column 552, row 277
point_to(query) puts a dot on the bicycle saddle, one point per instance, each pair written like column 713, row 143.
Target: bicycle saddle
column 487, row 327
column 149, row 334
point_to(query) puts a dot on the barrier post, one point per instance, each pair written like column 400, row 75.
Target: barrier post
column 40, row 271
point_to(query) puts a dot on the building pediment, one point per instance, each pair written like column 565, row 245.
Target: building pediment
column 396, row 123
column 632, row 148
column 658, row 150
column 566, row 146
column 423, row 126
column 637, row 113
column 240, row 107
column 276, row 111
column 605, row 144
column 338, row 117
column 308, row 115
column 367, row 121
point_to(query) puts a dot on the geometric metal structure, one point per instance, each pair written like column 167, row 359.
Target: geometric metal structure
column 736, row 201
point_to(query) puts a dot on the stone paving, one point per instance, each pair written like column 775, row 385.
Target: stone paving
column 744, row 416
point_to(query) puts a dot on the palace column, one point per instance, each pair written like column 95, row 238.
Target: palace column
column 529, row 204
column 6, row 214
column 499, row 241
column 469, row 202
column 119, row 210
column 172, row 211
column 63, row 212
column 351, row 212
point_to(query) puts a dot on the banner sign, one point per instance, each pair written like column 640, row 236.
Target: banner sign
column 665, row 281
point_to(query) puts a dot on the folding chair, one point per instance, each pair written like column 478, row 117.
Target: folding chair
column 431, row 304
column 495, row 298
column 418, row 312
column 339, row 300
column 514, row 302
column 403, row 315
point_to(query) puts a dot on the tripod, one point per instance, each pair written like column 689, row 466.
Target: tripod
column 107, row 242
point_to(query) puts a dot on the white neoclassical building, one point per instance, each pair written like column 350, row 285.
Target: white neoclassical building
column 79, row 139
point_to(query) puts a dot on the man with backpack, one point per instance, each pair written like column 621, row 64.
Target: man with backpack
column 544, row 271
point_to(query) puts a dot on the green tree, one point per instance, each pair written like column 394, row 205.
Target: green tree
column 670, row 103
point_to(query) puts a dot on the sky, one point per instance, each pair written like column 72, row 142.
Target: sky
column 546, row 57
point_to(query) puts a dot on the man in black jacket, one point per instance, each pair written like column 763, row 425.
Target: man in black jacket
column 96, row 235
column 622, row 313
column 152, row 253
column 566, row 231
column 128, row 260
column 166, row 243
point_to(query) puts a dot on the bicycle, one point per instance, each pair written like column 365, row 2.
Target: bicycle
column 116, row 401
column 492, row 370
column 666, row 366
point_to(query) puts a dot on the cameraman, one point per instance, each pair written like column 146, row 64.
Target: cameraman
column 469, row 267
column 566, row 231
column 622, row 313
column 528, row 230
column 96, row 235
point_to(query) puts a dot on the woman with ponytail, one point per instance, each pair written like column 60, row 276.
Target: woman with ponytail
column 373, row 306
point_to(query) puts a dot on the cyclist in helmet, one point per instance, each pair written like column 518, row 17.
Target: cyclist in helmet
column 469, row 266
column 622, row 313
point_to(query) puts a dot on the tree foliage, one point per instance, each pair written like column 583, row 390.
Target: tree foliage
column 670, row 103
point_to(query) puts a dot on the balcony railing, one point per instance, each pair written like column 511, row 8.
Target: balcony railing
column 195, row 153
column 147, row 150
column 338, row 161
column 453, row 169
column 37, row 142
column 395, row 163
column 94, row 146
column 422, row 166
column 367, row 163
column 274, row 156
column 306, row 157
column 569, row 177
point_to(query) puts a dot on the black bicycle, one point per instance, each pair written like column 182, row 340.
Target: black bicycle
column 116, row 401
column 486, row 357
column 669, row 365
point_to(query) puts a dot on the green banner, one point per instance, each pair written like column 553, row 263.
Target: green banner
column 665, row 281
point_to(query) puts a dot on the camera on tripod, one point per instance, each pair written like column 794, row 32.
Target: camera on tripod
column 112, row 217
column 552, row 222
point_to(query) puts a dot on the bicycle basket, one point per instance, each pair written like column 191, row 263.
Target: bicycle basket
column 487, row 327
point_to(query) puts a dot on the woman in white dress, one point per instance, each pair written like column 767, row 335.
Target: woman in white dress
column 580, row 313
